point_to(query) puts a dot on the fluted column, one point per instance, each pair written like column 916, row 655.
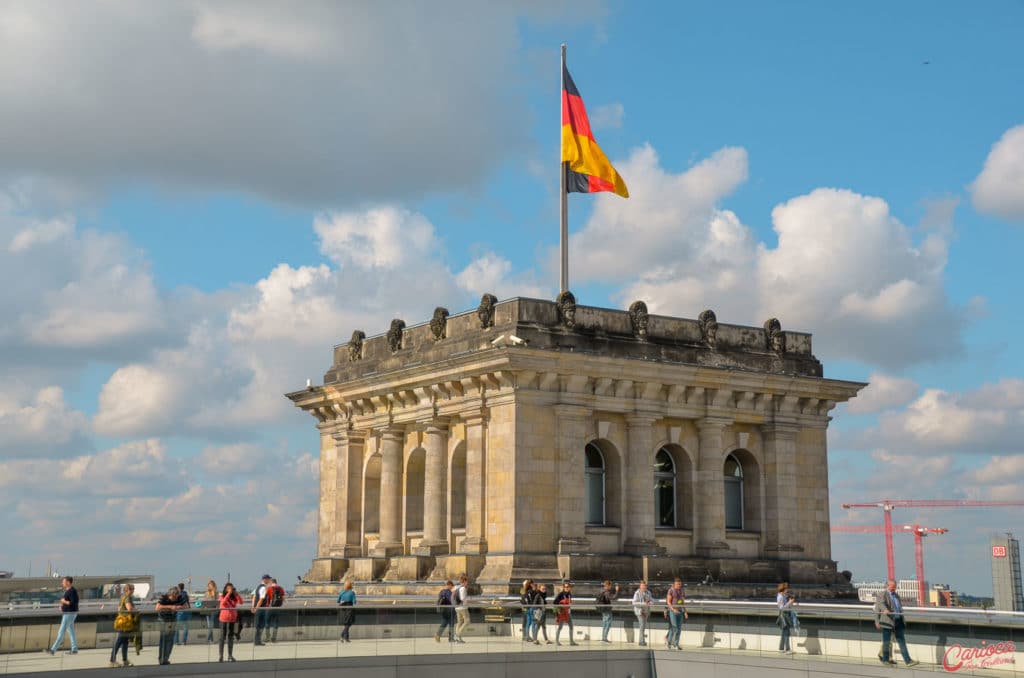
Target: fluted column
column 781, row 487
column 328, row 491
column 348, row 500
column 709, row 488
column 434, row 473
column 392, row 442
column 571, row 441
column 639, row 523
column 475, row 540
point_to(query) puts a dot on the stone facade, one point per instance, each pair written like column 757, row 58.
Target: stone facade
column 542, row 439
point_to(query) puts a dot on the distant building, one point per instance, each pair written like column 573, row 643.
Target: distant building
column 1006, row 585
column 906, row 588
column 940, row 595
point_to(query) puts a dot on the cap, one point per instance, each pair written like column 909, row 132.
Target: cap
column 266, row 576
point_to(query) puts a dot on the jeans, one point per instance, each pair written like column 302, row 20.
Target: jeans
column 896, row 631
column 121, row 642
column 448, row 622
column 227, row 632
column 182, row 618
column 642, row 617
column 675, row 628
column 67, row 625
column 462, row 614
column 527, row 623
column 558, row 630
column 539, row 626
column 347, row 617
column 167, row 629
column 606, row 624
column 784, row 639
column 211, row 624
column 272, row 624
column 262, row 622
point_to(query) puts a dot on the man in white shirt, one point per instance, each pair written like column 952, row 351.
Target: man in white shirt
column 460, row 598
column 642, row 609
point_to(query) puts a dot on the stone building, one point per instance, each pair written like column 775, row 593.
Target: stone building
column 543, row 439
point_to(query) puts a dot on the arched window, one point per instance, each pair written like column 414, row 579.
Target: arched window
column 595, row 485
column 664, row 489
column 733, row 494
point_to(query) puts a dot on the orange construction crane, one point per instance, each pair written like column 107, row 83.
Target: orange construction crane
column 887, row 505
column 919, row 533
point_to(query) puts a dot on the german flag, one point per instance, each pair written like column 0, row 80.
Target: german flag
column 587, row 169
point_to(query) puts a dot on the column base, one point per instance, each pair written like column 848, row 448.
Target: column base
column 346, row 551
column 431, row 548
column 643, row 547
column 326, row 570
column 784, row 548
column 457, row 564
column 408, row 568
column 474, row 545
column 386, row 549
column 366, row 569
column 571, row 545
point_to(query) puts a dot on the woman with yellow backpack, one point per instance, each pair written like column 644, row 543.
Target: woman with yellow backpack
column 125, row 624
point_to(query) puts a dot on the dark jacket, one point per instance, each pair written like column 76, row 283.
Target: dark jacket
column 605, row 598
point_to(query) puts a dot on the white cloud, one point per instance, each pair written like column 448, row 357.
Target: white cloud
column 999, row 189
column 493, row 273
column 42, row 424
column 41, row 233
column 883, row 392
column 265, row 26
column 608, row 116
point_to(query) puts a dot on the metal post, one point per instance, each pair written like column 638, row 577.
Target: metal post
column 563, row 195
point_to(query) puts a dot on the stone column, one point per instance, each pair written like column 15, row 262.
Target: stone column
column 392, row 442
column 781, row 487
column 639, row 522
column 435, row 470
column 571, row 424
column 328, row 491
column 709, row 488
column 347, row 538
column 475, row 540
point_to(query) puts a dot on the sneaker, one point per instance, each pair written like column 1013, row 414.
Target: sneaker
column 113, row 665
column 547, row 642
column 573, row 642
column 231, row 659
column 126, row 664
column 71, row 652
column 437, row 637
column 50, row 652
column 913, row 662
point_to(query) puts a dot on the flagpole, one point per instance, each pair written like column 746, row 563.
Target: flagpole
column 563, row 194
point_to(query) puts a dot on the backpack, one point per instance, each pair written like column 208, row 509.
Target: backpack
column 276, row 596
column 444, row 600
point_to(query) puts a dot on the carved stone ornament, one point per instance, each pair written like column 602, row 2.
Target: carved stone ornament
column 355, row 346
column 439, row 323
column 566, row 304
column 395, row 334
column 485, row 311
column 638, row 319
column 774, row 340
column 708, row 328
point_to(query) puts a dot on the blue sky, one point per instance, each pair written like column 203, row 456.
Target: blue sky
column 197, row 201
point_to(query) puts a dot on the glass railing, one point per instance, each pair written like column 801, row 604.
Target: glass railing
column 961, row 641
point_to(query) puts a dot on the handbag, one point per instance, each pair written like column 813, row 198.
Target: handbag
column 538, row 614
column 124, row 622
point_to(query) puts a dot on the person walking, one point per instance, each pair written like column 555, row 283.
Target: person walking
column 604, row 601
column 563, row 603
column 275, row 594
column 211, row 604
column 447, row 612
column 182, row 617
column 461, row 608
column 167, row 610
column 785, row 604
column 261, row 608
column 540, row 614
column 68, row 614
column 124, row 624
column 347, row 615
column 526, row 600
column 642, row 608
column 228, row 617
column 675, row 602
column 889, row 619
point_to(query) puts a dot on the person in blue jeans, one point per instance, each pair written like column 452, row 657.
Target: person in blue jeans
column 889, row 620
column 604, row 601
column 166, row 610
column 676, row 608
column 526, row 599
column 68, row 613
column 183, row 617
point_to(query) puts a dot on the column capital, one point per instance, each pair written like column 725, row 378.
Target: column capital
column 781, row 429
column 475, row 416
column 433, row 425
column 713, row 423
column 638, row 419
column 393, row 432
column 563, row 411
column 350, row 435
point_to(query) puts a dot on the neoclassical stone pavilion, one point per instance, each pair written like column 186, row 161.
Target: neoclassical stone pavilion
column 543, row 439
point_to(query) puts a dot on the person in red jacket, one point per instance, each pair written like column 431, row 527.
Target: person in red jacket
column 228, row 603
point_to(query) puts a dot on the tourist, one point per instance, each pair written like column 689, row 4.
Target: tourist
column 540, row 613
column 126, row 611
column 461, row 608
column 347, row 600
column 261, row 608
column 447, row 612
column 210, row 607
column 228, row 605
column 526, row 600
column 183, row 617
column 563, row 603
column 889, row 619
column 604, row 601
column 642, row 608
column 676, row 610
column 275, row 596
column 68, row 613
column 785, row 604
column 167, row 609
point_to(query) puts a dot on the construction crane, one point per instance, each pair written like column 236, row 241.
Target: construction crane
column 887, row 506
column 919, row 534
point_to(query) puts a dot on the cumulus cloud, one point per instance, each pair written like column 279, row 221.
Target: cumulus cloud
column 43, row 423
column 883, row 392
column 608, row 116
column 999, row 189
column 308, row 107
